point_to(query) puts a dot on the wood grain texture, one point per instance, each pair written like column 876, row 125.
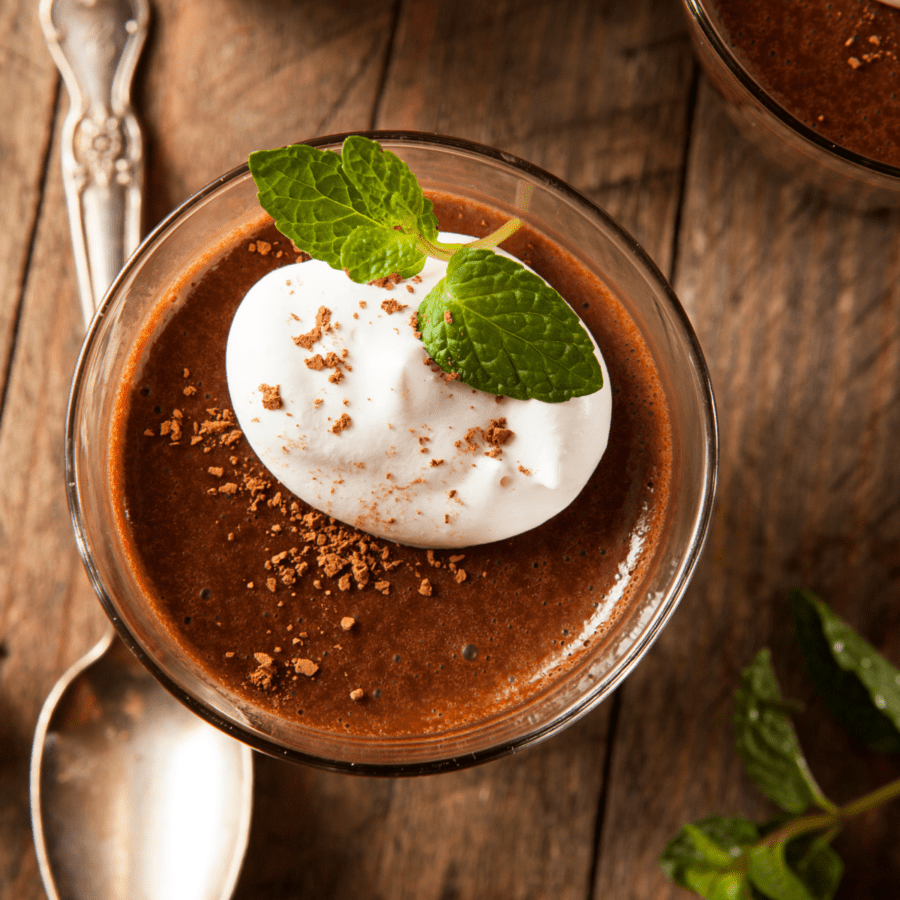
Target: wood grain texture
column 29, row 81
column 596, row 93
column 48, row 613
column 514, row 828
column 225, row 77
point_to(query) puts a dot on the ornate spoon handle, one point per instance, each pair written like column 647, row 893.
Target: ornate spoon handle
column 96, row 44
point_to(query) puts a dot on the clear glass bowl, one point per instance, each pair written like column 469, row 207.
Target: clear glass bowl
column 847, row 176
column 499, row 180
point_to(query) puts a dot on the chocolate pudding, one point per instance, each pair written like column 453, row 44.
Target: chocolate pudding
column 833, row 66
column 323, row 624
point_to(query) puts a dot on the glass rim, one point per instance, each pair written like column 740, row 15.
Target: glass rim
column 623, row 667
column 698, row 11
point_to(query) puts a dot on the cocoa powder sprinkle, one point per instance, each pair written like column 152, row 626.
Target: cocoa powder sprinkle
column 341, row 424
column 305, row 667
column 390, row 306
column 271, row 396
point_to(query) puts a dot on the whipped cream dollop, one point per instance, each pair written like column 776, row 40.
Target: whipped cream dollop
column 333, row 390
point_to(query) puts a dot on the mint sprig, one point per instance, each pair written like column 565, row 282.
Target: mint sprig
column 490, row 322
column 344, row 208
column 791, row 858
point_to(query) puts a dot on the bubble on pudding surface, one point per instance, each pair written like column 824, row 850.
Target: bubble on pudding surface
column 469, row 652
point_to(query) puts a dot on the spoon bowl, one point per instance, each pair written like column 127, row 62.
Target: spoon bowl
column 127, row 789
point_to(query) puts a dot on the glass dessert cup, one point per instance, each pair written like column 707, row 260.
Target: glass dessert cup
column 510, row 185
column 846, row 176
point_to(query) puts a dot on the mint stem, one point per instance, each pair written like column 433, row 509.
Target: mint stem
column 498, row 237
column 833, row 820
column 870, row 801
column 800, row 826
column 438, row 250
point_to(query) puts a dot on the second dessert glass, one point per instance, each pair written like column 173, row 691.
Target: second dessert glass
column 845, row 175
column 472, row 172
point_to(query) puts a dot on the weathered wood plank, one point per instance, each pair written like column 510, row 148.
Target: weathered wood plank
column 796, row 304
column 222, row 79
column 40, row 577
column 462, row 834
column 596, row 93
column 29, row 83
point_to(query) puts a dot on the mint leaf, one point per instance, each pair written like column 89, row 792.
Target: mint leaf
column 721, row 886
column 817, row 864
column 767, row 742
column 322, row 201
column 373, row 252
column 769, row 872
column 390, row 190
column 708, row 857
column 507, row 331
column 860, row 687
column 305, row 192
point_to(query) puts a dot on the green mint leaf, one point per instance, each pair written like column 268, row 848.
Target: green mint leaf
column 707, row 857
column 721, row 886
column 373, row 252
column 817, row 864
column 305, row 192
column 322, row 201
column 860, row 687
column 769, row 872
column 767, row 742
column 507, row 331
column 390, row 190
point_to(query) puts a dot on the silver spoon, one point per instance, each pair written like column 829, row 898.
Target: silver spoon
column 131, row 794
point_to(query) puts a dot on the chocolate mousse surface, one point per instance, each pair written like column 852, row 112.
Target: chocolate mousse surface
column 833, row 65
column 325, row 625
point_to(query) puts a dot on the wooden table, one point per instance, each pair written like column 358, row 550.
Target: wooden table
column 796, row 302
